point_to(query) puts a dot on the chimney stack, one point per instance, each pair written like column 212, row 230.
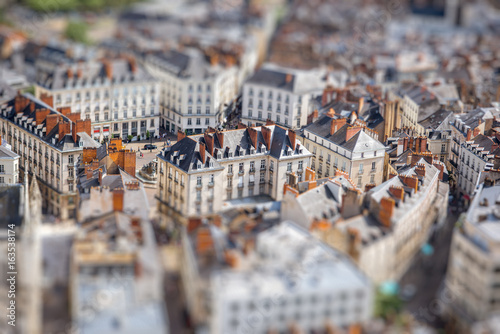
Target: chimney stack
column 220, row 138
column 336, row 124
column 352, row 131
column 202, row 152
column 209, row 141
column 118, row 195
column 397, row 192
column 254, row 136
column 292, row 137
column 180, row 135
column 386, row 210
column 266, row 133
column 51, row 121
column 288, row 78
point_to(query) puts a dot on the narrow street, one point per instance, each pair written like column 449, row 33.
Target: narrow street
column 427, row 274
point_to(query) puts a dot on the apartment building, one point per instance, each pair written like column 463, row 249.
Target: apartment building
column 195, row 89
column 416, row 104
column 338, row 145
column 473, row 274
column 283, row 96
column 49, row 143
column 114, row 259
column 382, row 229
column 9, row 163
column 200, row 172
column 260, row 285
column 476, row 155
column 118, row 96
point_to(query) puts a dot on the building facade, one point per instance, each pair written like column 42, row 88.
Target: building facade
column 336, row 145
column 116, row 95
column 281, row 95
column 474, row 267
column 49, row 144
column 9, row 164
column 194, row 91
column 200, row 172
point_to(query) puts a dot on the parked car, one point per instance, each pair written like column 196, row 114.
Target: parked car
column 149, row 147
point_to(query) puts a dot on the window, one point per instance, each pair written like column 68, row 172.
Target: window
column 189, row 121
column 207, row 121
column 374, row 165
column 2, row 169
column 263, row 164
column 278, row 119
column 97, row 117
column 198, row 110
column 443, row 148
column 360, row 168
column 301, row 163
column 229, row 182
column 230, row 169
column 198, row 181
column 211, row 179
column 372, row 179
column 198, row 121
column 289, row 167
column 249, row 112
column 207, row 110
column 2, row 179
column 252, row 165
column 70, row 158
column 262, row 177
column 241, row 168
column 272, row 166
column 359, row 181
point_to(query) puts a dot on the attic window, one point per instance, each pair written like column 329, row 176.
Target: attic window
column 211, row 164
column 199, row 165
column 230, row 154
column 241, row 153
column 80, row 143
column 252, row 151
column 219, row 155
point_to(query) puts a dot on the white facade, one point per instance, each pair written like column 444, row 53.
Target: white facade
column 193, row 101
column 9, row 164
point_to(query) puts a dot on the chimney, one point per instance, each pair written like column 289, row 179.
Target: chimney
column 20, row 103
column 79, row 73
column 241, row 126
column 51, row 121
column 118, row 195
column 231, row 258
column 108, row 68
column 327, row 95
column 254, row 136
column 369, row 187
column 469, row 134
column 397, row 192
column 411, row 143
column 64, row 129
column 331, row 113
column 405, row 144
column 180, row 135
column 100, row 176
column 266, row 133
column 361, row 103
column 315, row 114
column 32, row 106
column 47, row 99
column 40, row 115
column 336, row 124
column 410, row 181
column 423, row 144
column 133, row 64
column 269, row 122
column 420, row 170
column 417, row 145
column 89, row 172
column 69, row 73
column 391, row 175
column 351, row 203
column 220, row 138
column 288, row 78
column 476, row 132
column 351, row 132
column 83, row 126
column 202, row 152
column 64, row 110
column 399, row 149
column 440, row 167
column 386, row 210
column 292, row 137
column 310, row 174
column 209, row 141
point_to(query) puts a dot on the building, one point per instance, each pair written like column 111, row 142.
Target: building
column 49, row 143
column 195, row 88
column 476, row 155
column 21, row 219
column 256, row 281
column 337, row 143
column 200, row 172
column 416, row 103
column 115, row 94
column 439, row 144
column 115, row 270
column 382, row 229
column 281, row 95
column 9, row 163
column 473, row 267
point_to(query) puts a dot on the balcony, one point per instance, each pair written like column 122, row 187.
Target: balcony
column 454, row 151
column 262, row 181
column 240, row 185
column 262, row 167
column 251, row 183
column 176, row 180
column 271, row 168
column 210, row 198
column 197, row 200
column 320, row 158
column 210, row 184
column 241, row 172
column 199, row 185
column 58, row 162
column 252, row 171
column 182, row 184
column 229, row 187
column 170, row 176
column 328, row 162
column 360, row 172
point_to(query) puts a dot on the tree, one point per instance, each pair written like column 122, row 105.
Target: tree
column 387, row 306
column 77, row 31
column 130, row 137
column 148, row 134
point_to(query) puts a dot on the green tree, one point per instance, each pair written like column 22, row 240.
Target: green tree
column 77, row 31
column 148, row 134
column 387, row 306
column 52, row 5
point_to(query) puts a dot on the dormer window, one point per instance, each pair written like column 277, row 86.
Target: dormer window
column 219, row 155
column 199, row 165
column 230, row 154
column 252, row 151
column 241, row 153
column 211, row 164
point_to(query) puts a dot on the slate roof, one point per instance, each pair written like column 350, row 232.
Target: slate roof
column 272, row 78
column 186, row 152
column 62, row 144
column 360, row 142
column 93, row 73
column 435, row 119
column 6, row 153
